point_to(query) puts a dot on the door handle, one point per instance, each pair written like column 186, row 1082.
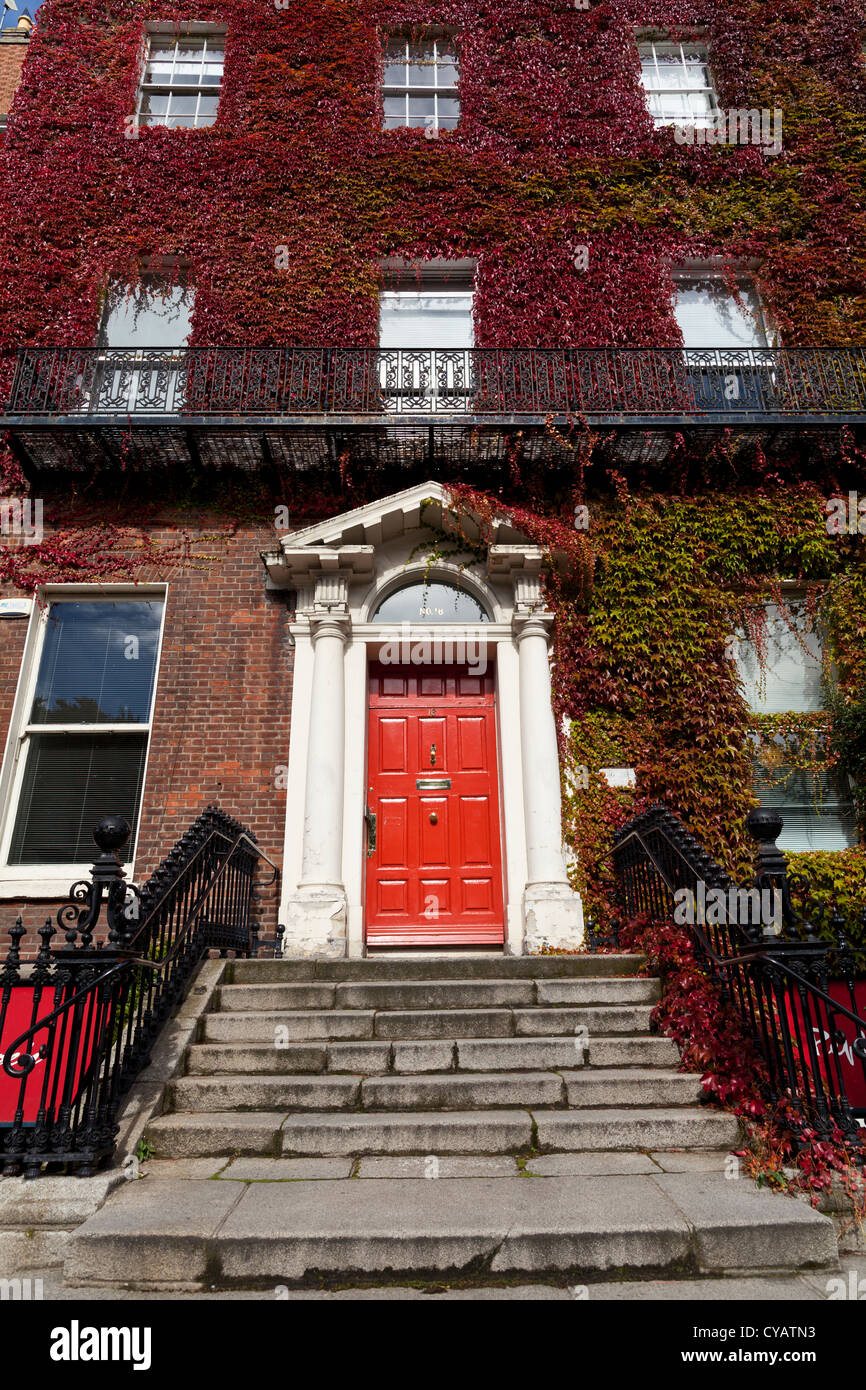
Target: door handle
column 370, row 818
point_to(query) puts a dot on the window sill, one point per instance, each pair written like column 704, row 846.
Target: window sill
column 51, row 883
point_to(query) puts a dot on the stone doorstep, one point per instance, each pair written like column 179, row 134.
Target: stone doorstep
column 284, row 971
column 228, row 1231
column 440, row 994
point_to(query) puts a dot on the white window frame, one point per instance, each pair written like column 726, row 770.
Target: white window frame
column 54, row 880
column 172, row 403
column 407, row 90
column 839, row 810
column 427, row 280
column 189, row 34
column 711, row 273
column 650, row 48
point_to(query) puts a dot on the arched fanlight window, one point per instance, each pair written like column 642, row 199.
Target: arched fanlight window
column 430, row 602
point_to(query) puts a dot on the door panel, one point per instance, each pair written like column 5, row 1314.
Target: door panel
column 435, row 875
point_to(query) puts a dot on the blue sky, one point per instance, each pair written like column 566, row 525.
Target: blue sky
column 10, row 18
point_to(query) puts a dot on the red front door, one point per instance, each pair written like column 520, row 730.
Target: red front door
column 434, row 877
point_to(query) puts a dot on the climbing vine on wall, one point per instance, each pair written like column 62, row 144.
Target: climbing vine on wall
column 648, row 602
column 554, row 148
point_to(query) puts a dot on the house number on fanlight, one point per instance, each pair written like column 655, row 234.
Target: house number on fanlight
column 430, row 612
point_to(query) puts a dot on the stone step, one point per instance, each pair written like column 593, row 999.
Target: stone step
column 196, row 1134
column 424, row 1055
column 443, row 1091
column 436, row 994
column 158, row 1232
column 463, row 967
column 574, row 1131
column 447, row 1023
column 244, row 1093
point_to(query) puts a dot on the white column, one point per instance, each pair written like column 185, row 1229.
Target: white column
column 552, row 911
column 542, row 802
column 321, row 864
column 317, row 910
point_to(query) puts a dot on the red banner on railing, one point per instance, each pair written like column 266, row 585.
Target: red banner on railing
column 852, row 1068
column 19, row 1017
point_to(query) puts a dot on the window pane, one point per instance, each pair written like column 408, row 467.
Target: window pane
column 447, row 75
column 672, row 72
column 421, row 75
column 207, row 110
column 183, row 105
column 791, row 677
column 98, row 663
column 150, row 318
column 426, row 320
column 420, row 108
column 154, row 106
column 395, row 106
column 158, row 70
column 431, row 603
column 709, row 316
column 449, row 109
column 70, row 782
column 395, row 74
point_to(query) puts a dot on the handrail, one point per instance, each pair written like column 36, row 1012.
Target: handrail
column 100, row 1033
column 777, row 980
column 129, row 958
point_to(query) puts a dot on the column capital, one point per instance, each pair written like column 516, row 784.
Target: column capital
column 332, row 624
column 531, row 622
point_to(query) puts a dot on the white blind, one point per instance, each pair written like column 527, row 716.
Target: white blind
column 150, row 318
column 708, row 316
column 812, row 809
column 410, row 319
column 790, row 680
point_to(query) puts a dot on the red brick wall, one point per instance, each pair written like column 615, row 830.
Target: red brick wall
column 223, row 702
column 12, row 57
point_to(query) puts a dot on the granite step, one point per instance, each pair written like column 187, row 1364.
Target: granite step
column 398, row 966
column 193, row 1134
column 154, row 1234
column 410, row 1055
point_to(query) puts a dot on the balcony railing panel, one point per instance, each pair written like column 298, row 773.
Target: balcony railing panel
column 369, row 384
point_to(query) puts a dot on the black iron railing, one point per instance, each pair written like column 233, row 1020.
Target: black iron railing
column 766, row 957
column 78, row 1023
column 613, row 384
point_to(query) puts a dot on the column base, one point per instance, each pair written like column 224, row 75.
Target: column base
column 552, row 918
column 316, row 924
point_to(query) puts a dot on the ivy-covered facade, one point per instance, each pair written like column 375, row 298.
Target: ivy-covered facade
column 233, row 175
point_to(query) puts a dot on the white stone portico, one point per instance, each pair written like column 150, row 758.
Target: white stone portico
column 341, row 571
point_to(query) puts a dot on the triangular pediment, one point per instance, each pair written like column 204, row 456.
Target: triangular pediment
column 390, row 517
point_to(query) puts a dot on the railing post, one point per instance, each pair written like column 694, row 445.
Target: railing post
column 764, row 824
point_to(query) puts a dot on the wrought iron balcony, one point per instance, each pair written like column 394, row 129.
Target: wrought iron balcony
column 306, row 406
